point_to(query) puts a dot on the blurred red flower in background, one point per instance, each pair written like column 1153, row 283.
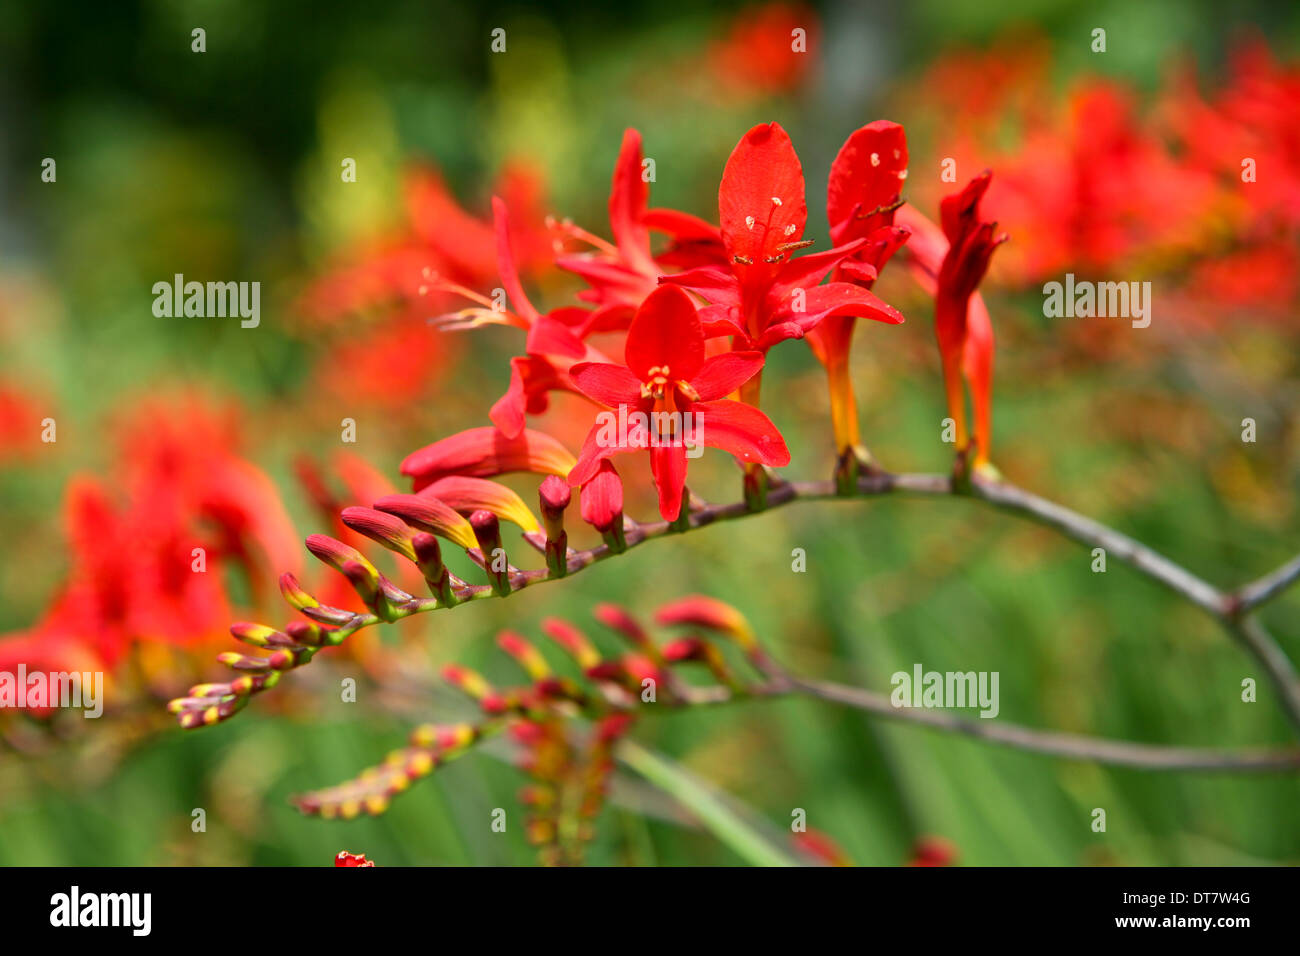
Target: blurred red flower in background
column 150, row 542
column 761, row 53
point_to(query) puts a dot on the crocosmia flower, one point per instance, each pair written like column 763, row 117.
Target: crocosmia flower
column 952, row 270
column 764, row 294
column 862, row 195
column 669, row 399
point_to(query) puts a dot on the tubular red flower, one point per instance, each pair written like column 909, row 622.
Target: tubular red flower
column 487, row 452
column 862, row 194
column 950, row 263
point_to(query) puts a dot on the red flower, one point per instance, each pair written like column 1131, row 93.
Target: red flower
column 953, row 271
column 553, row 340
column 862, row 194
column 763, row 296
column 180, row 496
column 352, row 859
column 668, row 380
column 486, row 453
column 622, row 275
column 757, row 56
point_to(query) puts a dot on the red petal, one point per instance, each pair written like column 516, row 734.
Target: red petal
column 722, row 320
column 723, row 374
column 959, row 213
column 601, row 498
column 531, row 378
column 665, row 331
column 714, row 283
column 668, row 463
column 485, row 452
column 605, row 383
column 807, row 271
column 627, row 205
column 594, row 451
column 742, row 430
column 506, row 262
column 865, row 177
column 548, row 336
column 838, row 298
column 761, row 199
column 681, row 225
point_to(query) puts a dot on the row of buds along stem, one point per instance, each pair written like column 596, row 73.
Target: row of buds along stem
column 566, row 726
column 456, row 503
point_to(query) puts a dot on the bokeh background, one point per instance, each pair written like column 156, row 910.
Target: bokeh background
column 225, row 165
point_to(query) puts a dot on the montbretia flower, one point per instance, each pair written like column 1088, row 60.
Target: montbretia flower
column 151, row 545
column 438, row 234
column 486, row 452
column 764, row 295
column 862, row 195
column 669, row 396
column 553, row 339
column 620, row 276
column 950, row 264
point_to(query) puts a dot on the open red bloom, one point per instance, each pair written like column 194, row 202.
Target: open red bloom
column 619, row 277
column 670, row 397
column 952, row 271
column 862, row 194
column 763, row 295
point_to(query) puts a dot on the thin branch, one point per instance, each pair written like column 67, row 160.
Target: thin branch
column 220, row 701
column 1256, row 638
column 1268, row 587
column 1120, row 753
column 1087, row 531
